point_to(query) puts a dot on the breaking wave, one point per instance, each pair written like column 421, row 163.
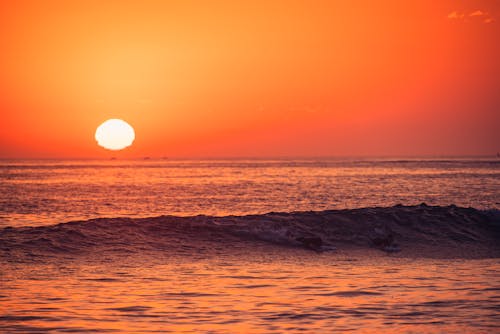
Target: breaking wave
column 420, row 230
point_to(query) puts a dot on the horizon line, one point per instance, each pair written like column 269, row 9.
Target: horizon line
column 319, row 157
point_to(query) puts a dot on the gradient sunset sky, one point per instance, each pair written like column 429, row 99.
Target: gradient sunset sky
column 251, row 78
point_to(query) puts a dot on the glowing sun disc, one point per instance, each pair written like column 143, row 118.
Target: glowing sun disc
column 115, row 134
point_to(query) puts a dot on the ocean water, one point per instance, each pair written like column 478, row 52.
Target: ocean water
column 36, row 193
column 266, row 292
column 300, row 246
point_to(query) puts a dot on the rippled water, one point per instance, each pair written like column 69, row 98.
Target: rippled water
column 267, row 292
column 46, row 192
column 199, row 274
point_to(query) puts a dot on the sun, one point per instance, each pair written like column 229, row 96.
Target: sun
column 115, row 134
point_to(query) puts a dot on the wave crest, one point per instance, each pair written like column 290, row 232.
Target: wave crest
column 416, row 230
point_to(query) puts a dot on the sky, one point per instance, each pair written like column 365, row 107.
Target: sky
column 251, row 78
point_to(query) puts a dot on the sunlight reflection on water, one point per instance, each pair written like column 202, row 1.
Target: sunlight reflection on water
column 293, row 291
column 234, row 286
column 48, row 192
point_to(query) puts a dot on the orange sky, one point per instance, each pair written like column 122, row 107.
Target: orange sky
column 254, row 79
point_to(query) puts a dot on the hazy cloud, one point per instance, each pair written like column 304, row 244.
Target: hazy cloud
column 477, row 13
column 455, row 15
column 472, row 16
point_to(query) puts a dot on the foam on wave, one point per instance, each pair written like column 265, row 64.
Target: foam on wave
column 414, row 230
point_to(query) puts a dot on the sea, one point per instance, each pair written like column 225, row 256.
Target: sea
column 321, row 245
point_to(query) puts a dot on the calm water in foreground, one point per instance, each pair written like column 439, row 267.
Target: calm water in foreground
column 226, row 285
column 294, row 291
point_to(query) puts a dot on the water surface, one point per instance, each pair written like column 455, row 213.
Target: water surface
column 422, row 268
column 267, row 292
column 48, row 192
